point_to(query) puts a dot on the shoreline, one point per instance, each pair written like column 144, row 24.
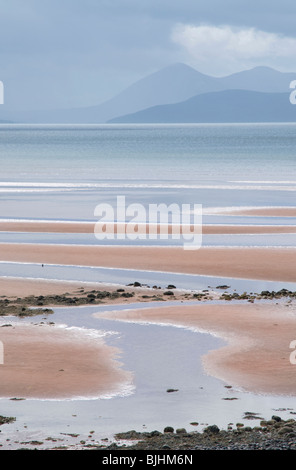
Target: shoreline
column 272, row 264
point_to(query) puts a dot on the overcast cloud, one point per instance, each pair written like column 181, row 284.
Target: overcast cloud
column 221, row 50
column 64, row 53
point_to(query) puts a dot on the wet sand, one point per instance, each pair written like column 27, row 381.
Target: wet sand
column 275, row 264
column 257, row 355
column 25, row 287
column 47, row 362
column 85, row 227
column 247, row 229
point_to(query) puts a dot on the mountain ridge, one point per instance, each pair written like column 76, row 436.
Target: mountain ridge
column 172, row 84
column 219, row 107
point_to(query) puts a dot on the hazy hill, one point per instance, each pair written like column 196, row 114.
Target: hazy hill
column 259, row 79
column 222, row 106
column 168, row 85
column 172, row 84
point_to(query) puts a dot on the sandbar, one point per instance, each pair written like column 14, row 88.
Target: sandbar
column 50, row 362
column 206, row 229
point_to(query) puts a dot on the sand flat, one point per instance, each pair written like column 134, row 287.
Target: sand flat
column 46, row 227
column 47, row 362
column 275, row 264
column 17, row 287
column 89, row 228
column 257, row 355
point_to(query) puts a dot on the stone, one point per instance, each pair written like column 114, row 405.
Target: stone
column 213, row 429
column 168, row 429
column 181, row 431
column 285, row 430
column 276, row 418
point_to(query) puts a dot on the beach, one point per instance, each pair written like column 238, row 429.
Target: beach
column 74, row 309
column 259, row 335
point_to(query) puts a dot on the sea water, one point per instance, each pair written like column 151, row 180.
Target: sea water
column 63, row 172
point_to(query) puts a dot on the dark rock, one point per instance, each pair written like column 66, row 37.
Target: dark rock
column 155, row 433
column 168, row 429
column 213, row 429
column 285, row 430
column 276, row 418
column 5, row 420
column 181, row 431
column 91, row 296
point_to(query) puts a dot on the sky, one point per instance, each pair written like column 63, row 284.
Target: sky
column 72, row 53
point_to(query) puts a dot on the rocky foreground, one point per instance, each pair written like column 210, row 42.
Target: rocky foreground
column 36, row 305
column 275, row 434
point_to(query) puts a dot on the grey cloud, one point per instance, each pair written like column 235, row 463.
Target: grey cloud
column 74, row 52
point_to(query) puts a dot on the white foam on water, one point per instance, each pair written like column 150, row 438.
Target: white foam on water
column 217, row 210
column 52, row 187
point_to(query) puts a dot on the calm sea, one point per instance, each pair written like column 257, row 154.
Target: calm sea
column 63, row 172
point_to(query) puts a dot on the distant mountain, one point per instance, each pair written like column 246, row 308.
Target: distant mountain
column 172, row 84
column 221, row 106
column 259, row 79
column 175, row 83
column 168, row 85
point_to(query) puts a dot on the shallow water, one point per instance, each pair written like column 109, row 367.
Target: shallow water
column 224, row 240
column 160, row 357
column 124, row 277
